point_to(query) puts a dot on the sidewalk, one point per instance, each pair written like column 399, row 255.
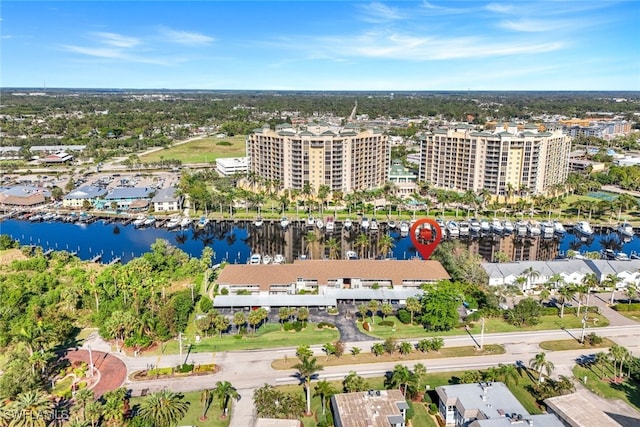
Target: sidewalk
column 615, row 318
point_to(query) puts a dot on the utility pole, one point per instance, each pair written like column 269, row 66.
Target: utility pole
column 180, row 344
column 482, row 334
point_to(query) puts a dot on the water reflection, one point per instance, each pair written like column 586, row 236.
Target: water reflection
column 235, row 241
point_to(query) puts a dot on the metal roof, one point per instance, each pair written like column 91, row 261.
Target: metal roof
column 128, row 193
column 86, row 192
column 274, row 300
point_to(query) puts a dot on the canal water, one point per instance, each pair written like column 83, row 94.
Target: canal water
column 234, row 242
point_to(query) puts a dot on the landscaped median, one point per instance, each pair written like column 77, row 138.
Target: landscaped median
column 400, row 330
column 186, row 370
column 362, row 358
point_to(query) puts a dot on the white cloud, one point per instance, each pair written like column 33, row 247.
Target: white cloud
column 117, row 40
column 185, row 37
column 377, row 12
column 499, row 8
column 118, row 54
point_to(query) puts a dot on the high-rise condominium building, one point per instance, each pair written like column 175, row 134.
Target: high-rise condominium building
column 508, row 161
column 342, row 158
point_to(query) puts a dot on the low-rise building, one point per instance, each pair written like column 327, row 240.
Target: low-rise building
column 321, row 275
column 586, row 409
column 403, row 179
column 571, row 272
column 23, row 196
column 59, row 157
column 373, row 408
column 228, row 166
column 126, row 198
column 166, row 200
column 486, row 404
column 77, row 198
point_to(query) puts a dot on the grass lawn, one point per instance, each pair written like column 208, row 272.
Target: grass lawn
column 400, row 330
column 633, row 315
column 268, row 336
column 421, row 417
column 560, row 345
column 628, row 391
column 84, row 334
column 195, row 410
column 348, row 359
column 205, row 150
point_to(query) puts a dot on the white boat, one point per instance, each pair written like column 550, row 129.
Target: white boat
column 284, row 222
column 496, row 226
column 266, row 259
column 204, row 221
column 330, row 226
column 48, row 216
column 364, row 224
column 139, row 221
column 485, row 227
column 621, row 256
column 464, row 228
column 521, row 228
column 391, row 224
column 474, row 225
column 404, row 228
column 149, row 221
column 186, row 222
column 453, row 229
column 351, row 255
column 278, row 259
column 255, row 259
column 625, row 229
column 311, row 222
column 558, row 228
column 319, row 224
column 373, row 225
column 173, row 223
column 258, row 222
column 508, row 227
column 347, row 224
column 534, row 228
column 35, row 218
column 547, row 228
column 584, row 228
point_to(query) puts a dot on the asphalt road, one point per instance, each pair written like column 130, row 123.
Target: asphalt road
column 248, row 370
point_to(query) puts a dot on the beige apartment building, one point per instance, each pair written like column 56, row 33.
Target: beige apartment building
column 507, row 161
column 342, row 158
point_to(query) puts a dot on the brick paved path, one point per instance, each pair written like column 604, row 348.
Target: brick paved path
column 113, row 371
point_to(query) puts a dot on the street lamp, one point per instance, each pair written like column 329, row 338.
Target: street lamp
column 90, row 361
column 584, row 326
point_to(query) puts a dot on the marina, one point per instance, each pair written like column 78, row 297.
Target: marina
column 109, row 238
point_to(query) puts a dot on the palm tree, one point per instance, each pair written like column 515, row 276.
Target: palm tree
column 163, row 408
column 239, row 319
column 413, row 305
column 373, row 306
column 311, row 239
column 334, row 247
column 93, row 412
column 400, row 376
column 530, row 274
column 324, row 389
column 206, row 397
column 82, row 398
column 386, row 309
column 581, row 290
column 540, row 363
column 224, row 392
column 601, row 359
column 31, row 405
column 385, row 244
column 508, row 373
column 405, row 348
column 354, row 382
column 362, row 242
column 564, row 385
column 307, row 368
column 612, row 281
column 566, row 293
column 419, row 373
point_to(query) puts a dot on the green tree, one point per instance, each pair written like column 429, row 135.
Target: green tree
column 324, row 389
column 440, row 304
column 353, row 383
column 413, row 306
column 399, row 377
column 540, row 363
column 526, row 313
column 30, row 407
column 224, row 392
column 386, row 309
column 307, row 368
column 163, row 408
column 206, row 397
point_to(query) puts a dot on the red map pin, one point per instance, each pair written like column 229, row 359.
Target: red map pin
column 426, row 235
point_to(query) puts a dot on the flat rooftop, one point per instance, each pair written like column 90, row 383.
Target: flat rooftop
column 585, row 409
column 375, row 408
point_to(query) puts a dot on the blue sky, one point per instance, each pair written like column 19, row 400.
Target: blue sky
column 322, row 45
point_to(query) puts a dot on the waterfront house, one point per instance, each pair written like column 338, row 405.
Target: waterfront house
column 127, row 198
column 78, row 198
column 166, row 200
column 25, row 196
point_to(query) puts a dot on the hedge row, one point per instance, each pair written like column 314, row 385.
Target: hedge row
column 627, row 307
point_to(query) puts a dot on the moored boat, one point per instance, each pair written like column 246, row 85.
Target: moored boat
column 584, row 228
